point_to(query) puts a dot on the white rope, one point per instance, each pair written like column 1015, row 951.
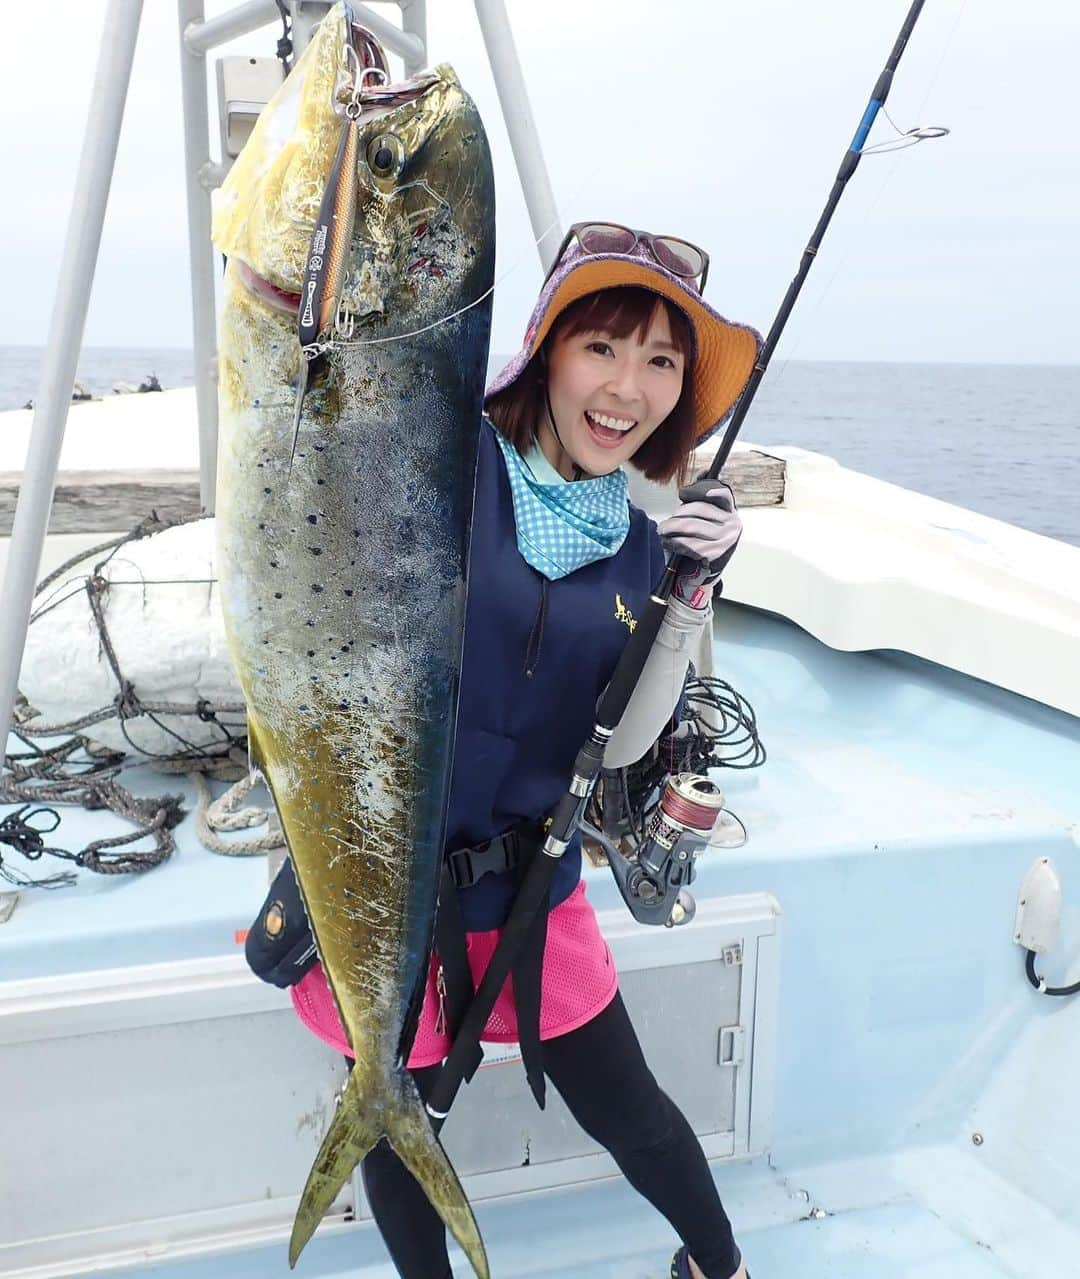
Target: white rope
column 218, row 815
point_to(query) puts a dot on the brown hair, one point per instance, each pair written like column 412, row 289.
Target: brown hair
column 621, row 311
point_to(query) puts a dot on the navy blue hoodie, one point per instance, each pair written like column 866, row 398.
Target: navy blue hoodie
column 537, row 656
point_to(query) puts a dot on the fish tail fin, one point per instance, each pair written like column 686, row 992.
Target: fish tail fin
column 357, row 1126
column 347, row 1141
column 420, row 1150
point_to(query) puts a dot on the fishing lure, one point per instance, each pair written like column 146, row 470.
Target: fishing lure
column 319, row 316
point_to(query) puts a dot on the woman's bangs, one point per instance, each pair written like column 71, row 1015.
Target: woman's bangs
column 624, row 311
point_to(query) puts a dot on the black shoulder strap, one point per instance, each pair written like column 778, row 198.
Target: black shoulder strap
column 527, row 974
column 454, row 958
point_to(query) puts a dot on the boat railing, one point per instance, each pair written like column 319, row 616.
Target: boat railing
column 198, row 37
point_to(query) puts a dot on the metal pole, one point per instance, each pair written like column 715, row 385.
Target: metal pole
column 306, row 16
column 521, row 127
column 414, row 23
column 403, row 43
column 200, row 249
column 201, row 37
column 100, row 139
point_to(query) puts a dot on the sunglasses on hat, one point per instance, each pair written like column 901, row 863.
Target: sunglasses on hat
column 680, row 257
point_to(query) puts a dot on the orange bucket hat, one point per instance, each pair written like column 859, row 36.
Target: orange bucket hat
column 724, row 351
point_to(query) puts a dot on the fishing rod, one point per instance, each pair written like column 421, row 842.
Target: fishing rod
column 570, row 810
column 848, row 166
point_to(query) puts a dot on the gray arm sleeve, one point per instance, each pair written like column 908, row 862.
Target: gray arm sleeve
column 661, row 683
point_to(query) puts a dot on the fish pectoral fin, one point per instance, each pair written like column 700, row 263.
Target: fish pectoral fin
column 403, row 1120
column 256, row 758
column 258, row 770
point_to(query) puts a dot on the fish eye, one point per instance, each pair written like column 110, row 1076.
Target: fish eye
column 386, row 155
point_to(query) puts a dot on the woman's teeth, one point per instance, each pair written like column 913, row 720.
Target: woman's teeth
column 609, row 423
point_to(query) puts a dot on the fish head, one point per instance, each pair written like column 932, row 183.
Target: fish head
column 421, row 243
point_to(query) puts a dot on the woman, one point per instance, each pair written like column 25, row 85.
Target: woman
column 623, row 364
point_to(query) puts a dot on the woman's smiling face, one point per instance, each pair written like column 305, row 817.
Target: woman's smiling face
column 608, row 395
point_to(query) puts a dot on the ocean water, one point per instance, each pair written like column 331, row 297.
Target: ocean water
column 1000, row 439
column 99, row 369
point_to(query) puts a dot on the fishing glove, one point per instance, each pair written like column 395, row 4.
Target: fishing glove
column 706, row 528
column 279, row 947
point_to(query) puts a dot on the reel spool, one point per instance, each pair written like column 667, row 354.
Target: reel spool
column 653, row 880
column 690, row 802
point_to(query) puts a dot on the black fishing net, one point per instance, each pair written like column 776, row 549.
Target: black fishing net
column 61, row 763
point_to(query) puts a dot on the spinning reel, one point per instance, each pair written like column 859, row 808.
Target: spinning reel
column 654, row 875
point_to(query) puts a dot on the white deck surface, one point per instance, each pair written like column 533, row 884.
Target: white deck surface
column 900, row 807
column 859, row 563
column 894, row 821
column 865, row 565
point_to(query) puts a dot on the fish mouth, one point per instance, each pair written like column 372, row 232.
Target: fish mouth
column 275, row 297
column 371, row 56
column 387, row 96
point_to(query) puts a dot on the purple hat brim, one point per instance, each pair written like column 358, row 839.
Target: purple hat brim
column 725, row 351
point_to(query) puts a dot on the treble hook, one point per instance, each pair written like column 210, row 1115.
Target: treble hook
column 359, row 74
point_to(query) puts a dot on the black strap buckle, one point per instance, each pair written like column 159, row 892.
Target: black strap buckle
column 500, row 854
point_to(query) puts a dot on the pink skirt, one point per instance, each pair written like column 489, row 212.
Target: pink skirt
column 579, row 981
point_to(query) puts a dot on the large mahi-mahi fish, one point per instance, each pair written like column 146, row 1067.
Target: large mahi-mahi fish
column 342, row 564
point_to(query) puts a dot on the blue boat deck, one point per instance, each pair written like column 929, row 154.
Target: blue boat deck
column 871, row 756
column 928, row 1213
column 926, row 1119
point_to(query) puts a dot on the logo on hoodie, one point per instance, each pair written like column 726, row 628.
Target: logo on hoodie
column 623, row 614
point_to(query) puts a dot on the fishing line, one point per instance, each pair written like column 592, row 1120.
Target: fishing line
column 845, row 257
column 77, row 587
column 163, row 581
column 47, row 608
column 80, row 586
column 905, row 139
column 446, row 319
column 941, row 60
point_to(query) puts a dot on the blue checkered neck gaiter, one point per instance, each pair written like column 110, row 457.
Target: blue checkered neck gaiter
column 563, row 526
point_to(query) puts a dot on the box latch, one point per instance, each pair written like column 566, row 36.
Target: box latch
column 732, row 1043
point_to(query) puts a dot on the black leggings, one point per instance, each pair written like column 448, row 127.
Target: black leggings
column 640, row 1126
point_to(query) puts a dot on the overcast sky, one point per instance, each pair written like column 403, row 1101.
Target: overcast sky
column 721, row 122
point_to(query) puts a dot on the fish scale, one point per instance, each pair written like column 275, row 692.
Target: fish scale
column 343, row 549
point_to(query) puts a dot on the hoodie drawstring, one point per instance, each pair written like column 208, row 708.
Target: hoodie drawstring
column 536, row 635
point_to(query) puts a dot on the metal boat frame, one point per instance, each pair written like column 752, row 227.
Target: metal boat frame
column 198, row 36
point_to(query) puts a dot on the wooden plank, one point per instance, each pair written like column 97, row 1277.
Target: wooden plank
column 112, row 501
column 107, row 501
column 756, row 479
